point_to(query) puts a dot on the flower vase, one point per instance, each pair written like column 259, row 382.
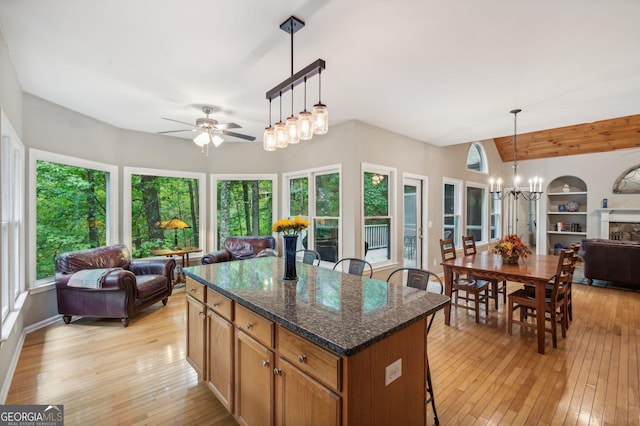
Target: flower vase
column 290, row 243
column 510, row 260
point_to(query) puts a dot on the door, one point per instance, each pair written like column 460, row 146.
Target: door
column 413, row 226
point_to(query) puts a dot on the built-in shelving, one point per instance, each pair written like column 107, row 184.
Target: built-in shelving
column 565, row 227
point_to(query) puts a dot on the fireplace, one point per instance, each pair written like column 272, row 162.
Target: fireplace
column 620, row 224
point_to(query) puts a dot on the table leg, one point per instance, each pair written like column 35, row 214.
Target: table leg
column 540, row 315
column 448, row 284
column 180, row 275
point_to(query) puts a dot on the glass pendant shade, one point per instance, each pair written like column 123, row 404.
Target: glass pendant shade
column 293, row 134
column 305, row 125
column 202, row 139
column 320, row 119
column 217, row 140
column 280, row 134
column 269, row 139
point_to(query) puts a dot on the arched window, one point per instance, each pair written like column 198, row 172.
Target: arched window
column 476, row 158
column 628, row 182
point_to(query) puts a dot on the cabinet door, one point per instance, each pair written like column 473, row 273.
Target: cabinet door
column 219, row 374
column 196, row 336
column 253, row 381
column 302, row 400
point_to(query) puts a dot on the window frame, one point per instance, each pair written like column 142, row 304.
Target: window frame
column 391, row 172
column 311, row 193
column 126, row 192
column 484, row 166
column 458, row 204
column 12, row 231
column 213, row 181
column 484, row 223
column 112, row 214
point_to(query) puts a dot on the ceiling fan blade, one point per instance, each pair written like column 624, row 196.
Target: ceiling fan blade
column 238, row 135
column 178, row 121
column 225, row 126
column 176, row 131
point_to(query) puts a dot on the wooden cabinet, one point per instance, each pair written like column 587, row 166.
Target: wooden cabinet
column 220, row 348
column 302, row 400
column 254, row 381
column 566, row 212
column 307, row 381
column 196, row 326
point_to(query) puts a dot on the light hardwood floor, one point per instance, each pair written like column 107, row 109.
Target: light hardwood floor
column 105, row 374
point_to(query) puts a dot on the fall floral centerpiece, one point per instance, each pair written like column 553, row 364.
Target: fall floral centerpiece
column 290, row 228
column 511, row 248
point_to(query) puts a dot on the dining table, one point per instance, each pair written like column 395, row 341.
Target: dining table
column 535, row 270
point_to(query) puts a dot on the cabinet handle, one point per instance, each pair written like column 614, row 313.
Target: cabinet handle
column 277, row 371
column 201, row 314
column 192, row 289
column 265, row 363
column 302, row 358
column 249, row 325
column 216, row 303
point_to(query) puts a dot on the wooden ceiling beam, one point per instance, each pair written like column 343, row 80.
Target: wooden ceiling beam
column 599, row 136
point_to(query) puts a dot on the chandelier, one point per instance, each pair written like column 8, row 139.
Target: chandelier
column 535, row 183
column 307, row 123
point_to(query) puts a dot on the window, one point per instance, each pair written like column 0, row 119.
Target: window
column 452, row 206
column 12, row 232
column 476, row 212
column 495, row 230
column 75, row 208
column 315, row 195
column 377, row 202
column 154, row 197
column 476, row 158
column 243, row 205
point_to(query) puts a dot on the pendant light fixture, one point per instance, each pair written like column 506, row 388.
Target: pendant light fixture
column 305, row 119
column 269, row 139
column 280, row 131
column 320, row 112
column 535, row 184
column 303, row 127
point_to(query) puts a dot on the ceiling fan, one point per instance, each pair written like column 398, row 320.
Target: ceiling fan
column 210, row 130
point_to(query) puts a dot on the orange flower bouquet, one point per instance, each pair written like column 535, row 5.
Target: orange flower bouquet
column 511, row 246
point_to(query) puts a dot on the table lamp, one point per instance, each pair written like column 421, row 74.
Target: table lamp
column 174, row 224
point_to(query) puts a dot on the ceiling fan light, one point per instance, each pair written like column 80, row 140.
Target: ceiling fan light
column 202, row 139
column 305, row 125
column 320, row 119
column 217, row 140
column 280, row 134
column 269, row 139
column 293, row 133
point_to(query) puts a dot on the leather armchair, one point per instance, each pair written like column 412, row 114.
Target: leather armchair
column 240, row 248
column 123, row 293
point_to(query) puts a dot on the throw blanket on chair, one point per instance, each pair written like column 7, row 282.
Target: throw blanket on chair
column 90, row 278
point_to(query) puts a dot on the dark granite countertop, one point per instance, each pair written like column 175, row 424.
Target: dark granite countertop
column 341, row 312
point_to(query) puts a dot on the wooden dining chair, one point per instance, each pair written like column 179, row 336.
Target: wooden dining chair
column 555, row 301
column 476, row 291
column 428, row 281
column 310, row 257
column 354, row 266
column 497, row 287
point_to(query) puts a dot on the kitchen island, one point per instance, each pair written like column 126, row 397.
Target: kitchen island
column 329, row 348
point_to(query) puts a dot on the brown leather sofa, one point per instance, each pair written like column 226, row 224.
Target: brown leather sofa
column 132, row 286
column 611, row 260
column 240, row 248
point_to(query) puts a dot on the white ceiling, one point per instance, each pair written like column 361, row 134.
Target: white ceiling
column 440, row 71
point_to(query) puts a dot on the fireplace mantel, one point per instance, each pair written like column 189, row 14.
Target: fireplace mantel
column 630, row 215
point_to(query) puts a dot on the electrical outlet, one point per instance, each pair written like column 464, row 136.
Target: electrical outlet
column 392, row 371
column 435, row 262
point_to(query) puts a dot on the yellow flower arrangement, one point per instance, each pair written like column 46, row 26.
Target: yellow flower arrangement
column 291, row 226
column 511, row 245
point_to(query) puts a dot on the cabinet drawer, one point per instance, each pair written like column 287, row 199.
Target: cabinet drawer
column 311, row 358
column 195, row 289
column 220, row 304
column 255, row 325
